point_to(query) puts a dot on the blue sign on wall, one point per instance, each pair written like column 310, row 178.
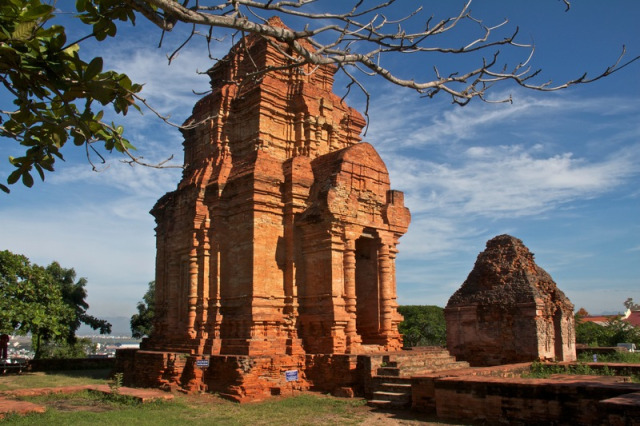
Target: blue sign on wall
column 202, row 362
column 291, row 375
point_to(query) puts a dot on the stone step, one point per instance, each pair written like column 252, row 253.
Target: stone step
column 429, row 365
column 415, row 349
column 388, row 371
column 395, row 387
column 427, row 370
column 391, row 387
column 392, row 396
column 404, row 371
column 386, row 399
column 425, row 362
column 385, row 404
column 419, row 359
column 410, row 355
column 380, row 403
column 379, row 380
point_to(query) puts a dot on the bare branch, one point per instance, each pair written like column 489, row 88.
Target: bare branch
column 342, row 39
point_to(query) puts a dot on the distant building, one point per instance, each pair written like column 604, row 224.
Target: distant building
column 632, row 317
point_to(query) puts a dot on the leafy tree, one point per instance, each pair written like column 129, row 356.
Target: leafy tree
column 74, row 295
column 610, row 334
column 142, row 322
column 31, row 301
column 59, row 95
column 590, row 333
column 43, row 302
column 620, row 331
column 423, row 326
column 54, row 91
column 78, row 349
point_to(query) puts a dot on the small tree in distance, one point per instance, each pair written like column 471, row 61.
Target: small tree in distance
column 614, row 331
column 142, row 322
column 423, row 326
column 44, row 302
column 582, row 312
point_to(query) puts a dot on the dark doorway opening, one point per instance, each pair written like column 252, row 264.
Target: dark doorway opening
column 367, row 289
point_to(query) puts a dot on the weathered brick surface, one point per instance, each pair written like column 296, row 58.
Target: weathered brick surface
column 575, row 401
column 281, row 237
column 423, row 386
column 509, row 310
column 245, row 378
column 343, row 375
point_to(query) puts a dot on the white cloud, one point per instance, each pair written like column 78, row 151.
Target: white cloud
column 507, row 181
column 399, row 121
column 131, row 181
column 167, row 87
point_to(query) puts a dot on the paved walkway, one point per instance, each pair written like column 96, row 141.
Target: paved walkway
column 8, row 403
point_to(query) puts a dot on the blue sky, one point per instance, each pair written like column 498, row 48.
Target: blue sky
column 561, row 170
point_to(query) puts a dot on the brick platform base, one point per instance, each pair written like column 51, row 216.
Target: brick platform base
column 249, row 378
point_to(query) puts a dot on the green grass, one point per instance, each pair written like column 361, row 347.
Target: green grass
column 86, row 408
column 621, row 357
column 544, row 370
column 90, row 408
column 51, row 379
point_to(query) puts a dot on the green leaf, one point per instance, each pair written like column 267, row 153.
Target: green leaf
column 40, row 171
column 23, row 31
column 37, row 12
column 81, row 5
column 72, row 49
column 14, row 176
column 94, row 68
column 27, row 179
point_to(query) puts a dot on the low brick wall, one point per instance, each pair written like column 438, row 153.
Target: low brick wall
column 237, row 377
column 71, row 364
column 250, row 378
column 578, row 400
column 423, row 387
column 246, row 378
column 338, row 374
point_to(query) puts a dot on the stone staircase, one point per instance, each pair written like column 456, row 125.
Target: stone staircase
column 391, row 385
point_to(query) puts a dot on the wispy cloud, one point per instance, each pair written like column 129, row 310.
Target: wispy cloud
column 509, row 180
column 402, row 122
column 136, row 181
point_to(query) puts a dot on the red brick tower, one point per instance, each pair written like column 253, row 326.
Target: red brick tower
column 281, row 236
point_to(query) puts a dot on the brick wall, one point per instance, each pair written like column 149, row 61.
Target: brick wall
column 532, row 401
column 71, row 364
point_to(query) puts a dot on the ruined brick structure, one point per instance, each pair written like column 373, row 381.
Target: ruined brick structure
column 281, row 237
column 509, row 310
